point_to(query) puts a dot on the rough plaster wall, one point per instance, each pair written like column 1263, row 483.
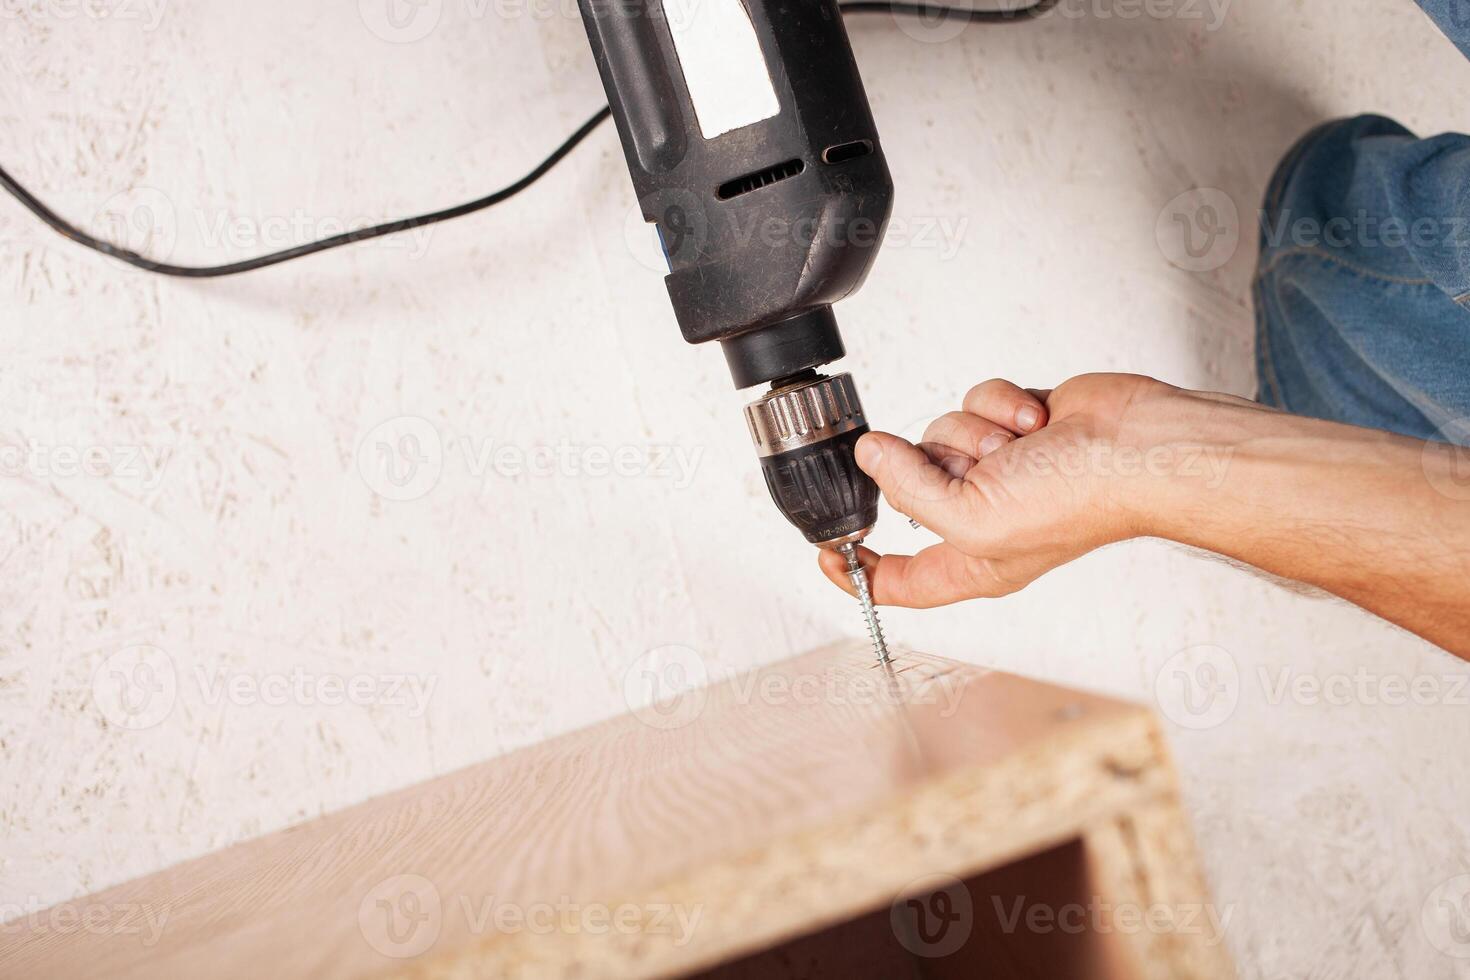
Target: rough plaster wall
column 1033, row 165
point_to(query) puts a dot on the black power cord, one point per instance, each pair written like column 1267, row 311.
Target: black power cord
column 132, row 258
column 63, row 227
column 944, row 12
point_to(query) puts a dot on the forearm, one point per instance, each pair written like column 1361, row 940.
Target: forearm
column 1377, row 519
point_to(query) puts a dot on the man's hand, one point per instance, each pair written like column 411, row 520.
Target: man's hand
column 1016, row 482
column 1021, row 481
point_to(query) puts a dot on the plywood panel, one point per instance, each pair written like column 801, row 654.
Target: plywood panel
column 736, row 817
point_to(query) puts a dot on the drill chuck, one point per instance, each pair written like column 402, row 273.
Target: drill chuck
column 804, row 431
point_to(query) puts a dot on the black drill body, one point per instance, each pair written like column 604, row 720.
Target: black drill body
column 764, row 227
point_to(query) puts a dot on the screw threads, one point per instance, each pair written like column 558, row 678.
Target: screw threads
column 859, row 577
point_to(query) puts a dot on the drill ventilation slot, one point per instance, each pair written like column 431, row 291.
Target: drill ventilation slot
column 843, row 152
column 759, row 179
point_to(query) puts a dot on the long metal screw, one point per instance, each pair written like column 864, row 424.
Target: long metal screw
column 859, row 577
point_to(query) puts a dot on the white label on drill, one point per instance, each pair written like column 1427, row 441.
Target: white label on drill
column 723, row 66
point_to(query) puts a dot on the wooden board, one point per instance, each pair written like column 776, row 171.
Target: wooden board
column 787, row 803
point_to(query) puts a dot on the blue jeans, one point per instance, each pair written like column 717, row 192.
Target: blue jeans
column 1363, row 291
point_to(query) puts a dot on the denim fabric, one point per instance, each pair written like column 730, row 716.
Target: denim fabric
column 1453, row 17
column 1363, row 291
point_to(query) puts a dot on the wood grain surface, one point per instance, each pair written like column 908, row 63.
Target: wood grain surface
column 719, row 823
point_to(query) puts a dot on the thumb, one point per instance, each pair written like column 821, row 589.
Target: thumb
column 911, row 483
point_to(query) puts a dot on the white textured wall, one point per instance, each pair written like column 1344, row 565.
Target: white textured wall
column 1033, row 164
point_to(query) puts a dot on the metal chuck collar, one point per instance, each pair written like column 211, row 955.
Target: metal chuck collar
column 804, row 431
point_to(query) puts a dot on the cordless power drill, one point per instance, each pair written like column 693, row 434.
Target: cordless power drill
column 753, row 150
